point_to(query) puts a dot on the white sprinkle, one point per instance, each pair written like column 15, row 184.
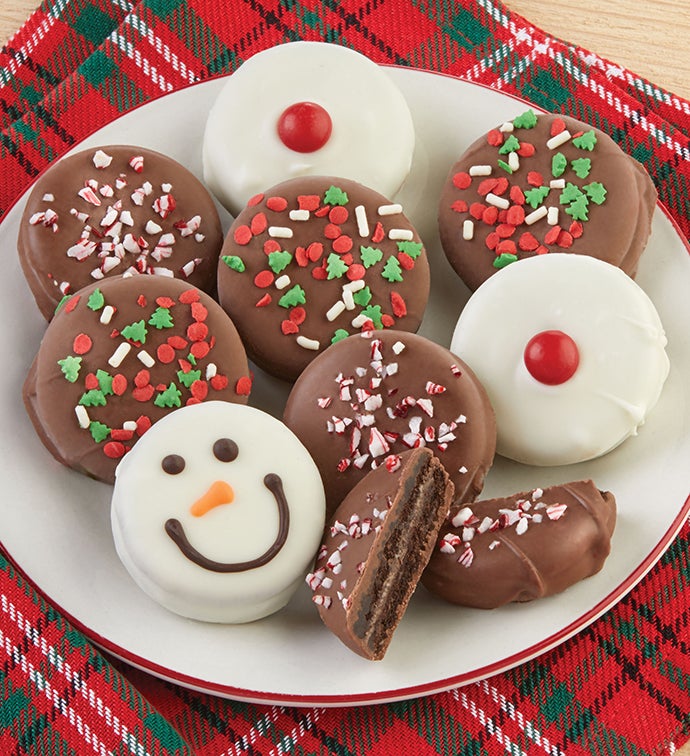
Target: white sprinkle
column 401, row 234
column 496, row 201
column 312, row 344
column 480, row 170
column 348, row 300
column 462, row 470
column 211, row 370
column 280, row 232
column 152, row 227
column 362, row 222
column 119, row 354
column 335, row 310
column 507, row 127
column 398, row 347
column 107, row 314
column 559, row 139
column 101, row 159
column 299, row 215
column 468, row 230
column 535, row 215
column 514, row 161
column 82, row 416
column 48, row 197
column 282, row 281
column 359, row 321
column 129, row 425
column 552, row 216
column 167, row 188
column 354, row 286
column 145, row 358
column 557, row 183
column 392, row 209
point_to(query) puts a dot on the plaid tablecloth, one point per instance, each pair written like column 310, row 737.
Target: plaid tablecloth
column 621, row 686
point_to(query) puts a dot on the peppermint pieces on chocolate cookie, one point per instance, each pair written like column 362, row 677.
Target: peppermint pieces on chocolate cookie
column 543, row 183
column 116, row 210
column 314, row 260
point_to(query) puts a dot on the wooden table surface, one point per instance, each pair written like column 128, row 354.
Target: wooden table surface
column 655, row 46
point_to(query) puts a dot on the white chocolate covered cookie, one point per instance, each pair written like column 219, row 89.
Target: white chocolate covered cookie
column 217, row 512
column 306, row 108
column 571, row 352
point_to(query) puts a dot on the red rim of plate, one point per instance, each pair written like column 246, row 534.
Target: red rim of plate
column 394, row 694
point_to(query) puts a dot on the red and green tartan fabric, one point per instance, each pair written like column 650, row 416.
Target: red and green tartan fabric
column 622, row 685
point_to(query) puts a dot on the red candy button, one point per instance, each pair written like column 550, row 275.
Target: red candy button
column 551, row 357
column 304, row 127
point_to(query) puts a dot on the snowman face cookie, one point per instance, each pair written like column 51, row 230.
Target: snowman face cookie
column 217, row 512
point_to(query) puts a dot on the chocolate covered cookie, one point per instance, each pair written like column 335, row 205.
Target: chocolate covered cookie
column 371, row 396
column 116, row 210
column 544, row 183
column 313, row 260
column 521, row 547
column 121, row 354
column 376, row 547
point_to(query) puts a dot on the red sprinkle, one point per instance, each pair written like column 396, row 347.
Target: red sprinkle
column 165, row 354
column 141, row 300
column 200, row 349
column 242, row 235
column 557, row 126
column 486, row 186
column 177, row 342
column 142, row 378
column 143, row 393
column 119, row 384
column 301, row 257
column 263, row 279
column 199, row 390
column 189, row 296
column 490, row 215
column 565, row 240
column 477, row 210
column 342, row 244
column 460, row 206
column 197, row 331
column 338, row 215
column 271, row 245
column 255, row 200
column 90, row 382
column 492, row 240
column 462, row 180
column 114, row 449
column 265, row 300
column 506, row 247
column 576, row 229
column 528, row 242
column 308, row 202
column 320, row 274
column 288, row 327
column 552, row 235
column 387, row 321
column 298, row 315
column 517, row 195
column 495, row 138
column 526, row 149
column 277, row 204
column 243, row 386
column 258, row 224
column 534, row 178
column 332, row 231
column 120, row 434
column 314, row 251
column 398, row 305
column 505, row 230
column 356, row 272
column 199, row 311
column 515, row 215
column 219, row 382
column 406, row 262
column 379, row 233
column 82, row 344
column 165, row 302
column 72, row 302
column 143, row 424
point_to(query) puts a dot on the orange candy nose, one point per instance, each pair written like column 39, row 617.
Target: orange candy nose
column 219, row 492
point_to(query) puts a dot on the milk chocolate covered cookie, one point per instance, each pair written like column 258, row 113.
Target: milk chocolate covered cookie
column 313, row 260
column 544, row 183
column 522, row 547
column 116, row 210
column 371, row 396
column 121, row 354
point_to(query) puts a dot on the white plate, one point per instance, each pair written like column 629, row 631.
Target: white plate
column 55, row 523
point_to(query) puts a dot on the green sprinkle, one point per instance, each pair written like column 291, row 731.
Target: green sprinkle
column 362, row 297
column 170, row 397
column 373, row 312
column 93, row 398
column 186, row 379
column 535, row 196
column 570, row 193
column 500, row 261
column 105, row 382
column 70, row 367
column 339, row 335
column 578, row 209
column 505, row 166
column 370, row 256
column 99, row 431
column 96, row 300
column 335, row 266
column 392, row 270
column 161, row 318
column 410, row 248
column 234, row 263
column 596, row 191
column 191, row 359
column 135, row 332
column 559, row 163
column 511, row 144
column 527, row 120
column 335, row 196
column 278, row 261
column 585, row 141
column 582, row 167
column 293, row 297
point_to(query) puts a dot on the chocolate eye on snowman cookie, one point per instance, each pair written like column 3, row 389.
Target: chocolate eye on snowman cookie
column 217, row 513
